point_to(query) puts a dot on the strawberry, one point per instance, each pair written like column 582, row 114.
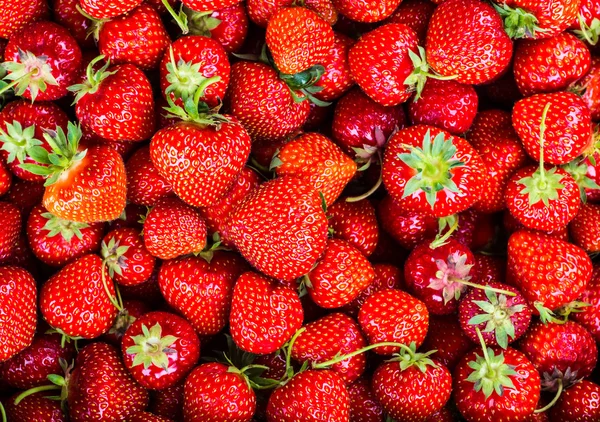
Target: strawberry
column 564, row 353
column 370, row 11
column 447, row 338
column 386, row 277
column 172, row 228
column 127, row 259
column 132, row 310
column 568, row 129
column 108, row 8
column 448, row 105
column 363, row 404
column 415, row 14
column 303, row 398
column 586, row 88
column 159, row 349
column 380, row 63
column 583, row 229
column 412, row 386
column 11, row 229
column 206, row 5
column 5, row 179
column 485, row 51
column 408, row 228
column 67, row 15
column 212, row 283
column 258, row 306
column 228, row 26
column 566, row 270
column 15, row 16
column 168, row 402
column 263, row 103
column 393, row 315
column 501, row 385
column 288, row 228
column 35, row 407
column 75, row 301
column 588, row 315
column 315, row 159
column 428, row 170
column 18, row 311
column 334, row 334
column 115, row 102
column 356, row 223
column 145, row 186
column 578, row 403
column 57, row 242
column 538, row 68
column 146, row 417
column 336, row 79
column 261, row 11
column 137, row 37
column 214, row 391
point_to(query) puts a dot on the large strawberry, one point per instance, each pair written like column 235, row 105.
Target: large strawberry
column 264, row 314
column 428, row 170
column 17, row 310
column 15, row 16
column 280, row 228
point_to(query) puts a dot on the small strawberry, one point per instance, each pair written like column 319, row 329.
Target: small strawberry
column 583, row 230
column 108, row 8
column 364, row 406
column 415, row 14
column 127, row 259
column 10, row 230
column 370, row 11
column 356, row 223
column 15, row 16
column 447, row 338
column 145, row 186
column 264, row 315
column 17, row 310
column 578, row 403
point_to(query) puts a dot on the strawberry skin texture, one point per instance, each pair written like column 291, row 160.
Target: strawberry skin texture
column 145, row 186
column 34, row 408
column 485, row 51
column 555, row 274
column 587, row 88
column 408, row 228
column 363, row 404
column 74, row 300
column 261, row 11
column 280, row 228
column 386, row 277
column 379, row 63
column 589, row 317
column 108, row 8
column 15, row 16
column 207, row 5
column 136, row 264
column 356, row 223
column 65, row 13
column 447, row 337
column 298, row 39
column 550, row 64
column 146, row 417
column 304, row 398
column 264, row 314
column 232, row 31
column 366, row 11
column 584, row 230
column 212, row 283
column 415, row 14
column 578, row 404
column 17, row 311
column 10, row 230
column 93, row 190
column 213, row 393
column 337, row 78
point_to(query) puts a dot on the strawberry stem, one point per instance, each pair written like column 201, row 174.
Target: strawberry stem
column 111, row 298
column 442, row 240
column 2, row 412
column 93, row 79
column 289, row 370
column 554, row 400
column 36, row 390
column 180, row 18
column 338, row 359
column 373, row 188
column 482, row 287
column 417, row 79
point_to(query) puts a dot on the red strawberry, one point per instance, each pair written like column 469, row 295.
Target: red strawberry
column 212, row 283
column 588, row 316
column 115, row 102
column 583, row 229
column 138, row 37
column 107, row 8
column 168, row 402
column 36, row 407
column 206, row 5
column 57, row 242
column 334, row 334
column 67, row 15
column 10, row 230
column 539, row 68
column 380, row 63
column 288, row 228
column 146, row 417
column 261, row 11
column 370, row 11
column 568, row 131
column 145, row 186
column 578, row 404
column 485, row 51
column 228, row 26
column 408, row 228
column 393, row 315
column 15, row 16
column 75, row 301
column 214, row 391
column 356, row 223
column 336, row 79
column 303, row 398
column 5, row 179
column 447, row 338
column 363, row 404
column 428, row 170
column 42, row 59
column 159, row 349
column 587, row 88
column 386, row 277
column 132, row 310
column 17, row 310
column 126, row 257
column 415, row 14
column 172, row 228
column 264, row 315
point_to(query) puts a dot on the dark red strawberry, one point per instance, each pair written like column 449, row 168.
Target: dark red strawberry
column 589, row 316
column 261, row 11
column 587, row 88
column 447, row 338
column 168, row 403
column 108, row 8
column 67, row 15
column 11, row 229
column 5, row 179
column 16, row 15
column 145, row 186
column 206, row 5
column 578, row 403
column 127, row 259
column 146, row 417
column 363, row 404
column 408, row 228
column 25, row 195
column 228, row 26
column 336, row 79
column 583, row 230
column 132, row 310
column 415, row 14
column 36, row 407
column 356, row 223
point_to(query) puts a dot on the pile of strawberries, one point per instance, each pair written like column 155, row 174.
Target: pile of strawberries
column 299, row 210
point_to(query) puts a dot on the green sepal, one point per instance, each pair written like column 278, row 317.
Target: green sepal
column 578, row 170
column 490, row 374
column 67, row 229
column 93, row 79
column 421, row 72
column 23, row 77
column 542, row 185
column 200, row 23
column 151, row 348
column 275, row 161
column 589, row 33
column 518, row 23
column 114, row 257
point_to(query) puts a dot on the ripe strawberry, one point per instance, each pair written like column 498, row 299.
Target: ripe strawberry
column 428, row 170
column 206, row 5
column 15, row 16
column 42, row 60
column 17, row 310
column 36, row 407
column 334, row 334
column 145, row 186
column 259, row 304
column 159, row 349
column 127, row 259
column 584, row 232
column 336, row 79
column 586, row 88
column 304, row 399
column 228, row 26
column 10, row 230
column 393, row 315
column 5, row 179
column 566, row 270
column 211, row 284
column 363, row 404
column 75, row 301
column 172, row 228
column 386, row 277
column 115, row 102
column 380, row 63
column 588, row 315
column 447, row 338
column 263, row 103
column 578, row 403
column 356, row 223
column 214, row 391
column 415, row 14
column 485, row 51
column 67, row 15
column 448, row 105
column 315, row 159
column 132, row 310
column 288, row 228
column 168, row 402
column 500, row 385
column 408, row 228
column 371, row 11
column 146, row 417
column 539, row 68
column 108, row 8
column 261, row 11
column 137, row 37
column 568, row 129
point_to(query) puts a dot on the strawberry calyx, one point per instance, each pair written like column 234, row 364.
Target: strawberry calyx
column 152, row 348
column 304, row 82
column 59, row 382
column 180, row 18
column 66, row 228
column 432, row 162
column 547, row 315
column 559, row 390
column 113, row 256
column 122, row 322
column 64, row 154
column 64, row 337
column 518, row 23
column 196, row 111
column 408, row 356
column 589, row 33
column 200, row 23
column 497, row 313
column 418, row 77
column 30, row 72
column 370, row 154
column 92, row 80
column 211, row 247
column 117, row 301
column 18, row 141
column 579, row 171
column 96, row 24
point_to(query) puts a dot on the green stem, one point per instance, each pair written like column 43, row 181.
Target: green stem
column 288, row 354
column 253, row 366
column 374, row 188
column 482, row 287
column 200, row 90
column 35, row 390
column 2, row 412
column 554, row 400
column 483, row 345
column 542, row 133
column 339, row 359
column 16, row 81
column 441, row 240
column 180, row 23
column 111, row 298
